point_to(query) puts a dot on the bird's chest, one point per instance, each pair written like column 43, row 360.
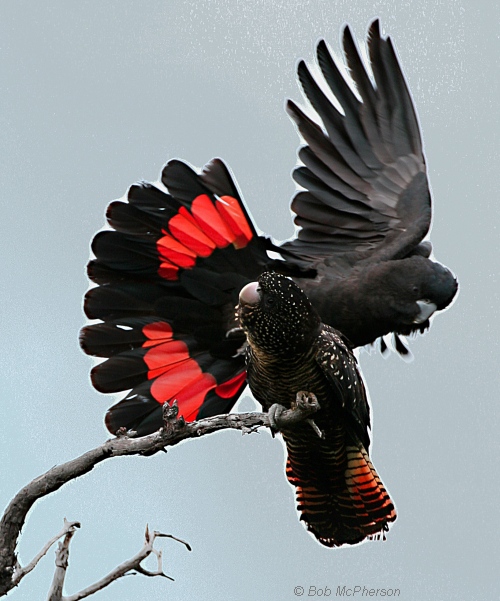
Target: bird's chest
column 278, row 380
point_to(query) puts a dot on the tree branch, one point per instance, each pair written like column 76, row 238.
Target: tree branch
column 174, row 431
column 20, row 573
column 62, row 559
column 125, row 568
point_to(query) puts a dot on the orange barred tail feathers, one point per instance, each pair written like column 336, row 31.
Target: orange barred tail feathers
column 371, row 499
column 348, row 511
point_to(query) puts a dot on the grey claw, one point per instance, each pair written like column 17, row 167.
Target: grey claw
column 306, row 401
column 304, row 405
column 275, row 412
column 313, row 425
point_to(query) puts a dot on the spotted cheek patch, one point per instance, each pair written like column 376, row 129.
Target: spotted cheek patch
column 199, row 231
column 246, row 315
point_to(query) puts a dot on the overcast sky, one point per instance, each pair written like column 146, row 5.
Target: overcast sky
column 96, row 95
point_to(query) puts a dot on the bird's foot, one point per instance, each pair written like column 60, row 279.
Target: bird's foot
column 313, row 425
column 307, row 402
column 302, row 408
column 275, row 417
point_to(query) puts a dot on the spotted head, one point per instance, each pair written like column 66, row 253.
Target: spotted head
column 276, row 315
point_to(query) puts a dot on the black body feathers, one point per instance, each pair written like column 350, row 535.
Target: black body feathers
column 339, row 493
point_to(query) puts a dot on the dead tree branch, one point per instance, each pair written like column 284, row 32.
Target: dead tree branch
column 174, row 431
column 20, row 573
column 14, row 517
column 132, row 565
column 62, row 560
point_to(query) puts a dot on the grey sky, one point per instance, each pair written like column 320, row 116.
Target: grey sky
column 96, row 95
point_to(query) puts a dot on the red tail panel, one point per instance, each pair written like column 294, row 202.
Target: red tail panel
column 367, row 492
column 190, row 234
column 198, row 233
column 175, row 252
column 210, row 221
column 177, row 376
column 190, row 398
column 155, row 349
column 230, row 210
column 157, row 332
column 228, row 389
column 163, row 357
column 172, row 368
column 168, row 271
column 169, row 384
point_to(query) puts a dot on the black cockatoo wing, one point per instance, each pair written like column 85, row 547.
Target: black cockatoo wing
column 336, row 359
column 366, row 193
column 168, row 275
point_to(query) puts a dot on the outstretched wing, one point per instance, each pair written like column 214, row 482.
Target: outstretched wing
column 366, row 194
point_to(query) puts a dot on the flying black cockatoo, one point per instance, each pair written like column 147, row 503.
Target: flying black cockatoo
column 291, row 353
column 169, row 271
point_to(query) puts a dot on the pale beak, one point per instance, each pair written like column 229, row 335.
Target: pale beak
column 249, row 294
column 426, row 310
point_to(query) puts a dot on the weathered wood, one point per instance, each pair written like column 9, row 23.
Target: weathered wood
column 174, row 431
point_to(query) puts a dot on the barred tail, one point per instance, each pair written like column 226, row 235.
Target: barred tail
column 343, row 506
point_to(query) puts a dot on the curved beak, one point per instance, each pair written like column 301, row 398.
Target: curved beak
column 426, row 310
column 249, row 299
column 249, row 294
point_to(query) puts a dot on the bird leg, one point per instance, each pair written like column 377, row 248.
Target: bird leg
column 306, row 401
column 301, row 409
column 275, row 413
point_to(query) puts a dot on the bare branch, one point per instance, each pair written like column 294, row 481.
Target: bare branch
column 20, row 573
column 15, row 515
column 62, row 559
column 179, row 540
column 173, row 432
column 131, row 565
